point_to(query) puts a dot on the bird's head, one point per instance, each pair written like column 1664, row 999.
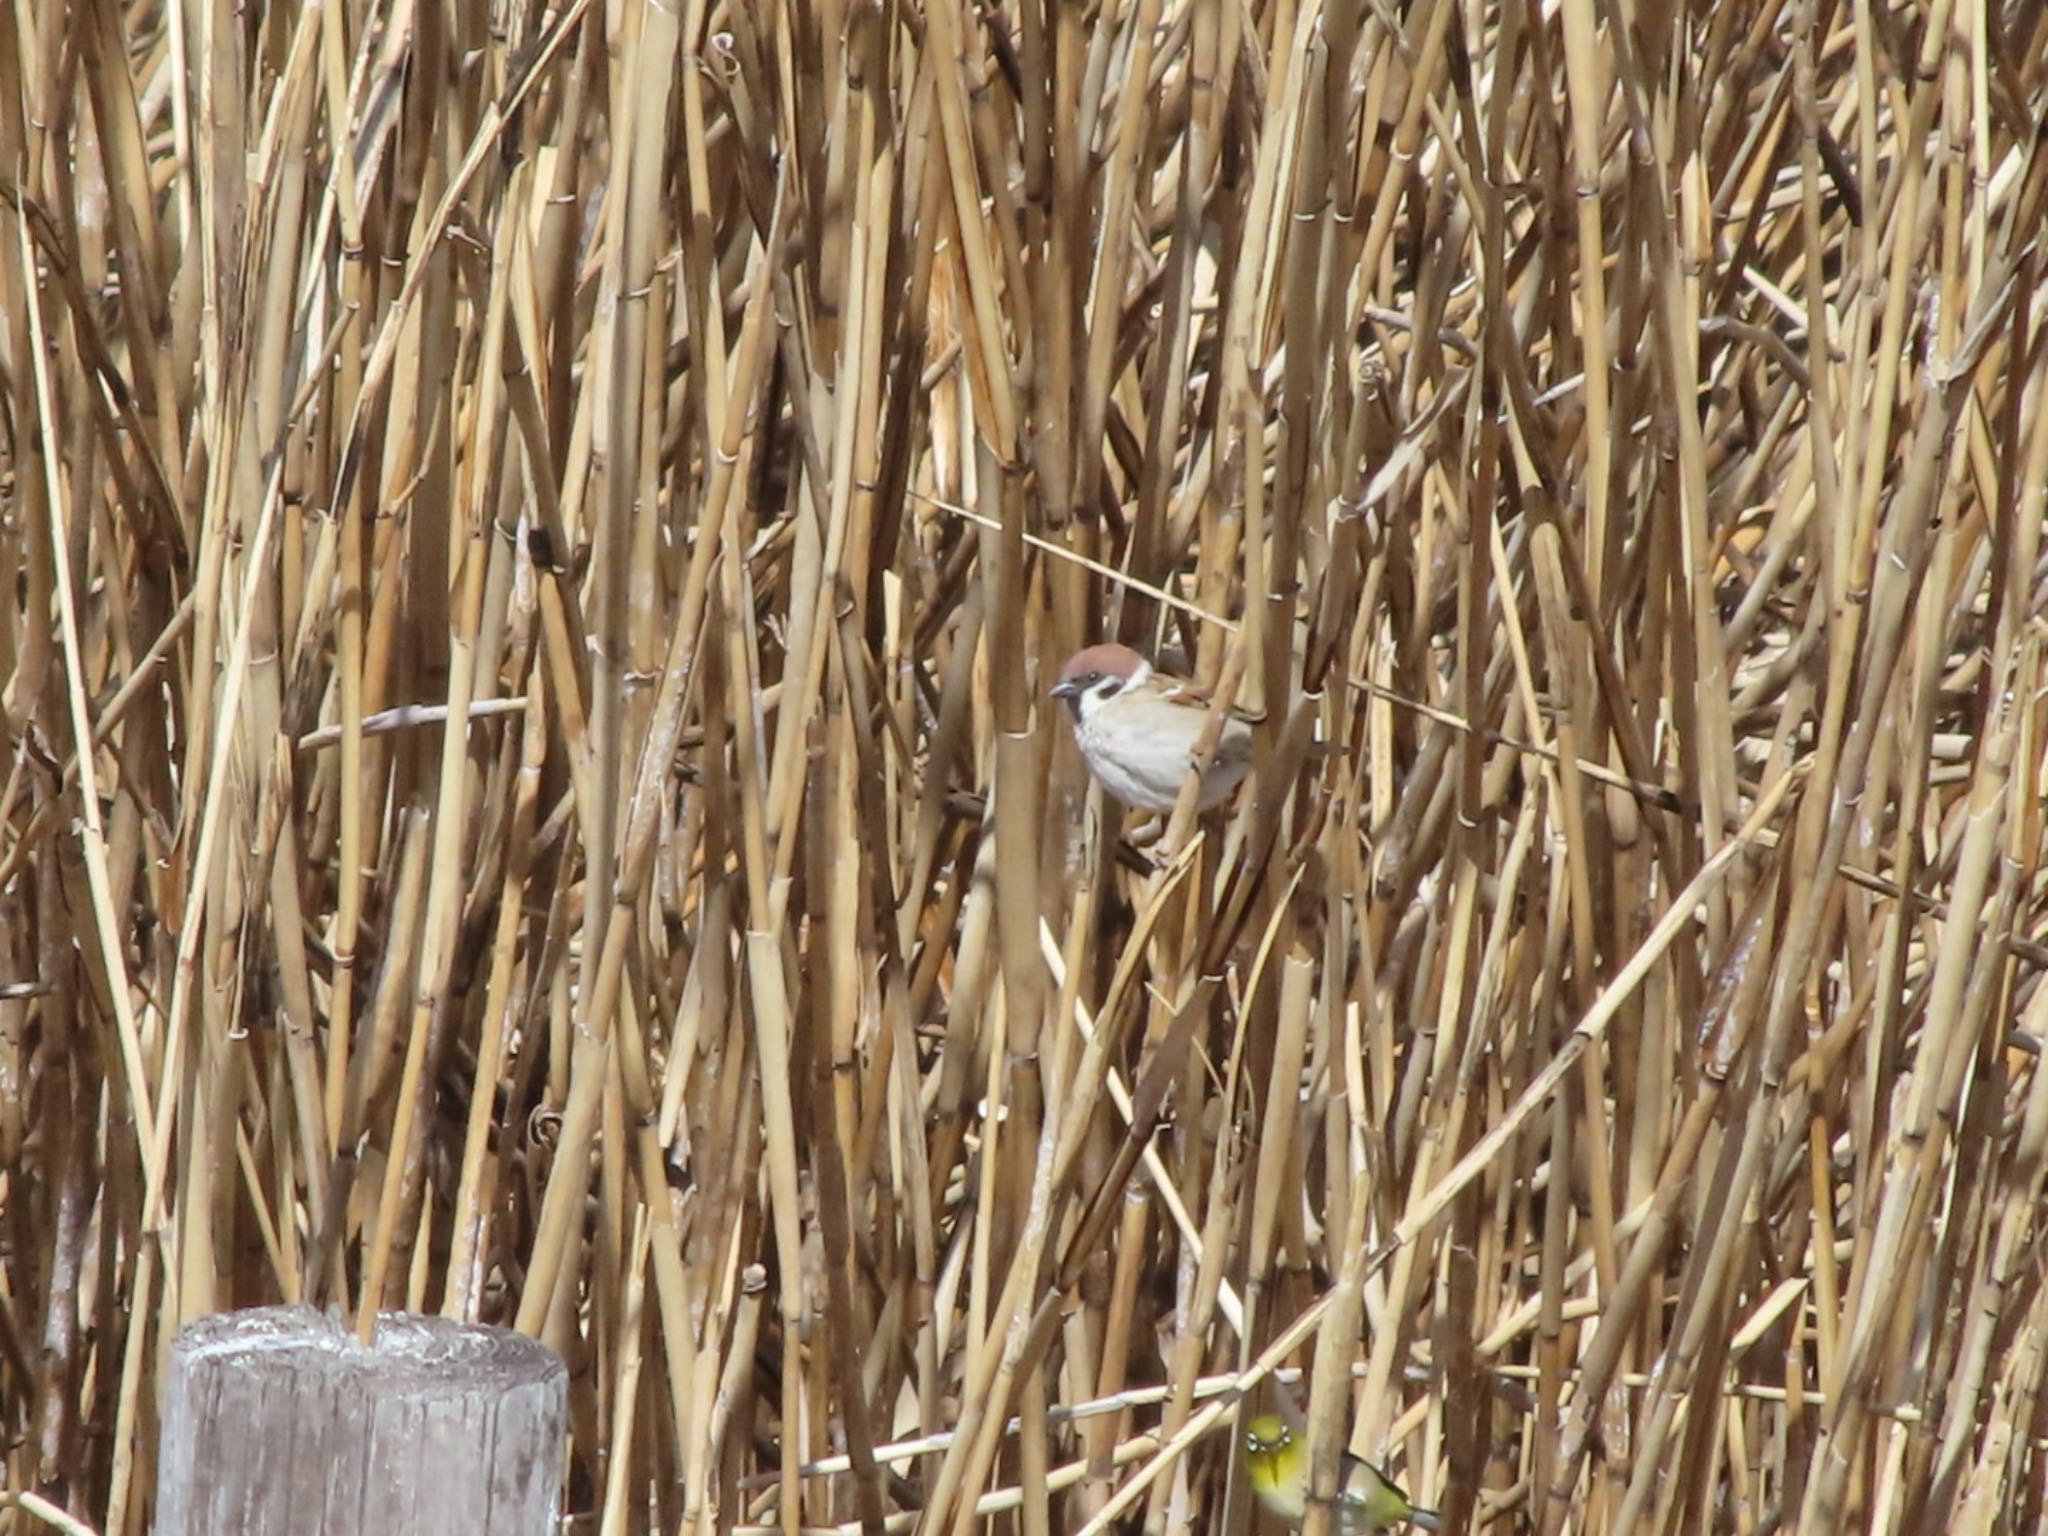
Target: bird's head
column 1095, row 675
column 1267, row 1435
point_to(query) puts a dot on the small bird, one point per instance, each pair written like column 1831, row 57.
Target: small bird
column 1138, row 729
column 1367, row 1499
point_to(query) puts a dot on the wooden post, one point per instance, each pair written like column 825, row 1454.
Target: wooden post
column 278, row 1423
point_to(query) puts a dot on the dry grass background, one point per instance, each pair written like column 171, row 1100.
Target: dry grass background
column 557, row 522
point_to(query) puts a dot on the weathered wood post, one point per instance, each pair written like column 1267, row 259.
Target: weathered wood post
column 278, row 1423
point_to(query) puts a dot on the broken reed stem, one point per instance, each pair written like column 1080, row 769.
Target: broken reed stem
column 529, row 788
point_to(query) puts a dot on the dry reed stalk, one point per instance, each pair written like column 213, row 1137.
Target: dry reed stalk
column 1607, row 456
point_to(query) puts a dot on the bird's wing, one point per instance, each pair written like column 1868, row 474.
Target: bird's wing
column 1233, row 749
column 1181, row 691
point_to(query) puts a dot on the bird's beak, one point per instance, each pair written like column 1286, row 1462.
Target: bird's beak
column 1064, row 690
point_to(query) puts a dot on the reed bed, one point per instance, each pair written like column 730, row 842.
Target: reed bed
column 539, row 537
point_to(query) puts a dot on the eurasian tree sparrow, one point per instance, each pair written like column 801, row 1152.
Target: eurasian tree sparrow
column 1138, row 729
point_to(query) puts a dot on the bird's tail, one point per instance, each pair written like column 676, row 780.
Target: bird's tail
column 1424, row 1520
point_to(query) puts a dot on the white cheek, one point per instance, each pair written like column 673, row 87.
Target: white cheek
column 1098, row 696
